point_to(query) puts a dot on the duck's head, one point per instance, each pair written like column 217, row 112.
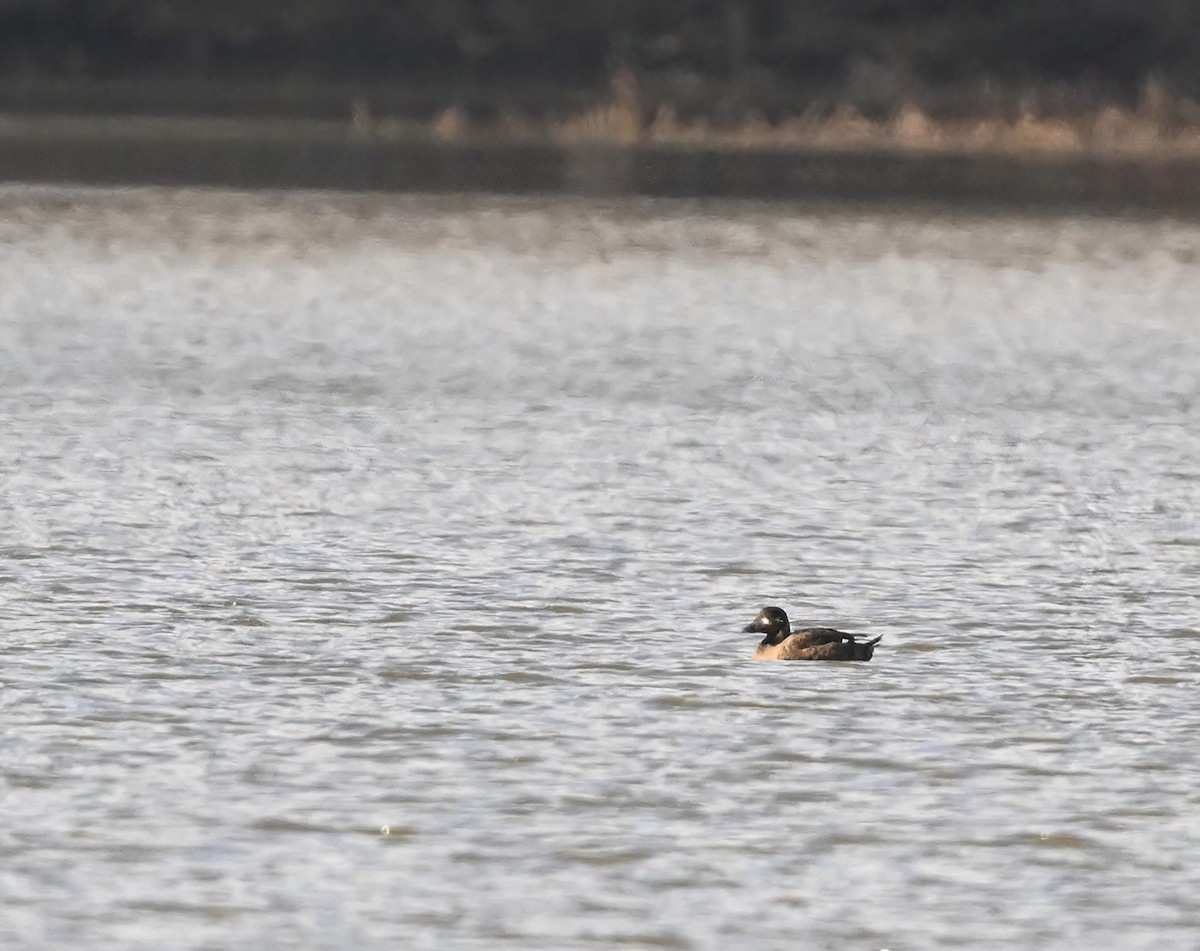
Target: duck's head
column 772, row 623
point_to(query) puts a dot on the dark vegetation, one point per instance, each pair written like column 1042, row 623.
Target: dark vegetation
column 953, row 54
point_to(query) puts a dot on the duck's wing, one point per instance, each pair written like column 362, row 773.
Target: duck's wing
column 815, row 636
column 796, row 648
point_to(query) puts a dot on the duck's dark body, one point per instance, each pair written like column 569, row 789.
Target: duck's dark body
column 811, row 643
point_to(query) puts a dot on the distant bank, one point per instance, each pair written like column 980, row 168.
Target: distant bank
column 322, row 154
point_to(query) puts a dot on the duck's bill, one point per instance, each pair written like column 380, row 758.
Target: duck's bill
column 749, row 628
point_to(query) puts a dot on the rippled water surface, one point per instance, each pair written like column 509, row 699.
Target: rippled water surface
column 371, row 574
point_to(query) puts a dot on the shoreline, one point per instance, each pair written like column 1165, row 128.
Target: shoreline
column 344, row 156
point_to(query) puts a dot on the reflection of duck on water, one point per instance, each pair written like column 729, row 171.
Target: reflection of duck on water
column 780, row 642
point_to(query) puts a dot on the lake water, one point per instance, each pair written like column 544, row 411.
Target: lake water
column 372, row 573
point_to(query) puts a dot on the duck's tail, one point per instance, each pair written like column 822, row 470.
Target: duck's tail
column 866, row 650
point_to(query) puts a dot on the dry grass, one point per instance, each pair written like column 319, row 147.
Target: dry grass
column 1160, row 125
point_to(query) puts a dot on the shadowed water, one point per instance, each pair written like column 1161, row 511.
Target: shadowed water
column 371, row 574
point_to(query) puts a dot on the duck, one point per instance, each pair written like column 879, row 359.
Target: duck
column 780, row 642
